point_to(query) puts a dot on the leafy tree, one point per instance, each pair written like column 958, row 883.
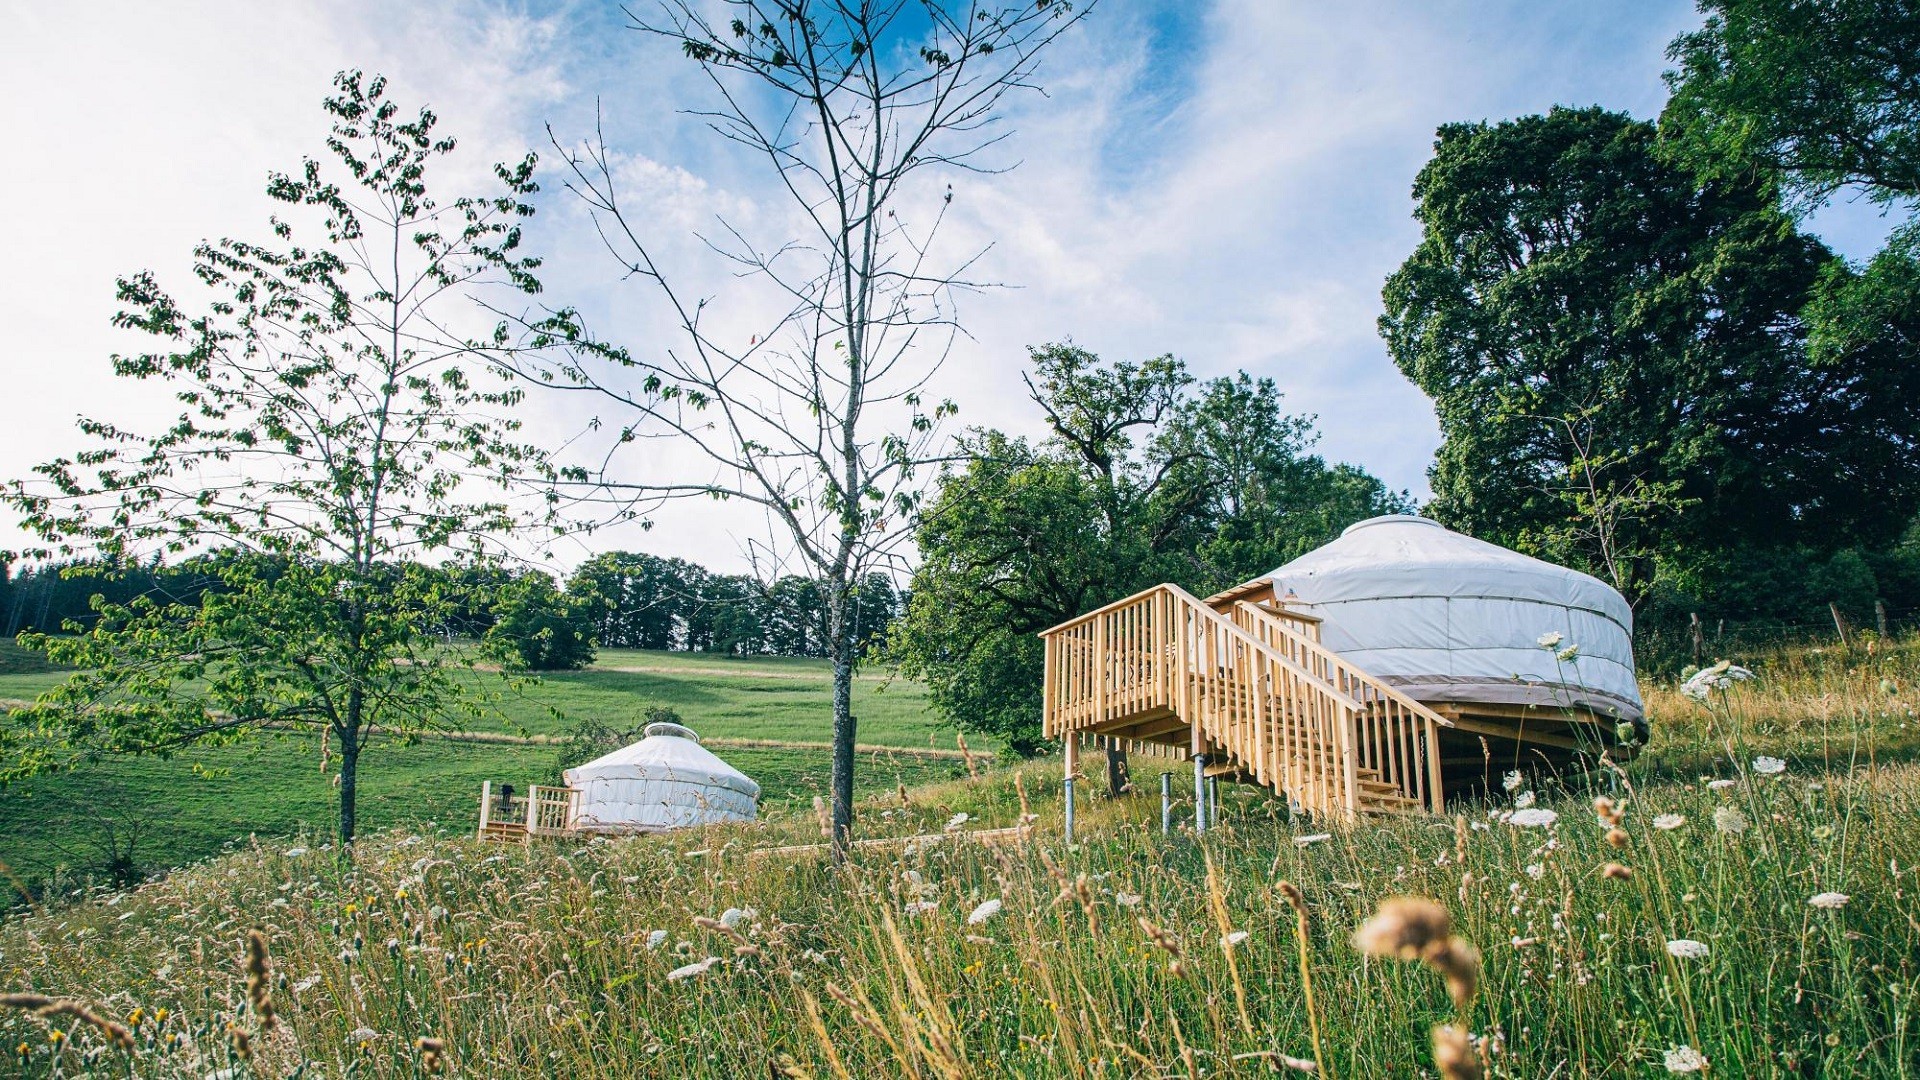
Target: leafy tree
column 546, row 629
column 1616, row 351
column 636, row 601
column 817, row 416
column 1147, row 478
column 330, row 437
column 1822, row 94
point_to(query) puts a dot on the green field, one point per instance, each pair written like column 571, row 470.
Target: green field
column 188, row 807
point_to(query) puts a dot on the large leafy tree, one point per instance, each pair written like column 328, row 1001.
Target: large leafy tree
column 333, row 434
column 1616, row 350
column 1821, row 94
column 1146, row 478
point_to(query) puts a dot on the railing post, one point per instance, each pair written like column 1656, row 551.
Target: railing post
column 1350, row 798
column 533, row 811
column 1436, row 785
column 486, row 806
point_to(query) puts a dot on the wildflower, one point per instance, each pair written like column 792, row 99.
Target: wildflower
column 656, row 938
column 922, row 907
column 958, row 820
column 1550, row 640
column 1729, row 820
column 1685, row 1059
column 987, row 910
column 1568, row 655
column 1720, row 785
column 1308, row 841
column 1768, row 766
column 1233, row 939
column 1669, row 822
column 698, row 967
column 1532, row 818
column 1127, row 899
column 1830, row 901
column 1524, row 800
column 1512, row 780
column 1687, row 949
column 733, row 916
column 295, row 852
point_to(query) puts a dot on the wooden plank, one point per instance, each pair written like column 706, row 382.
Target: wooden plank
column 1477, row 726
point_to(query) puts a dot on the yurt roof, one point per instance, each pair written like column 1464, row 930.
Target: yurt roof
column 1399, row 555
column 668, row 751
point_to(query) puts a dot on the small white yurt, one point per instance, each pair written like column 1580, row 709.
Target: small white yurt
column 1446, row 618
column 667, row 780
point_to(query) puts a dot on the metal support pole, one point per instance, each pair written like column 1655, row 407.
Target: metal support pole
column 1199, row 793
column 1166, row 804
column 1072, row 755
column 1213, row 799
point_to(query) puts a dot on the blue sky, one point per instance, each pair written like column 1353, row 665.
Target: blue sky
column 1224, row 181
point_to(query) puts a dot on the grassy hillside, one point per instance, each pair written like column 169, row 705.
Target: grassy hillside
column 174, row 811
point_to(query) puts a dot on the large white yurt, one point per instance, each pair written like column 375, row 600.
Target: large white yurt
column 667, row 780
column 1448, row 619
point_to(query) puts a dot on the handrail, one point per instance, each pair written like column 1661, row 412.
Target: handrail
column 1099, row 611
column 1273, row 654
column 1334, row 659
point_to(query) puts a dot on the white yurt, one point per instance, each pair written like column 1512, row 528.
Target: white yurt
column 1446, row 618
column 667, row 780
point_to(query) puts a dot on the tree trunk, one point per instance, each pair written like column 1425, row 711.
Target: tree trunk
column 350, row 767
column 1119, row 779
column 843, row 737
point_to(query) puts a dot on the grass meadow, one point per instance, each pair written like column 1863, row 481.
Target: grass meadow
column 1745, row 906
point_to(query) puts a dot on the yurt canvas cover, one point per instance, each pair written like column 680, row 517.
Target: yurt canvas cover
column 1448, row 618
column 667, row 780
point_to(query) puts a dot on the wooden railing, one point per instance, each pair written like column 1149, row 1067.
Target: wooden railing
column 1162, row 655
column 542, row 811
column 1394, row 735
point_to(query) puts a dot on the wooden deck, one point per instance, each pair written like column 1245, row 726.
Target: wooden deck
column 542, row 811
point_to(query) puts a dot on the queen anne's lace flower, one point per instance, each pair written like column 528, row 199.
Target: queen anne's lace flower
column 1687, row 949
column 1685, row 1059
column 1551, row 639
column 698, row 967
column 1720, row 676
column 1768, row 766
column 1532, row 818
column 1669, row 821
column 1831, row 901
column 1729, row 820
column 985, row 911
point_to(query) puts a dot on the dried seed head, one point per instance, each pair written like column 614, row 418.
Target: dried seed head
column 79, row 1010
column 785, row 1068
column 242, row 1044
column 1453, row 1054
column 260, row 978
column 432, row 1053
column 1292, row 895
column 901, row 788
column 1615, row 871
column 1404, row 928
column 1459, row 962
column 1617, row 837
column 1606, row 810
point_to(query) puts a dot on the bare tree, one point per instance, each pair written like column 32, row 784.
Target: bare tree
column 817, row 414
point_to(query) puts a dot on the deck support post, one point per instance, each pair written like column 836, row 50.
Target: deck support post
column 1166, row 804
column 1072, row 756
column 1199, row 793
column 486, row 801
column 1213, row 799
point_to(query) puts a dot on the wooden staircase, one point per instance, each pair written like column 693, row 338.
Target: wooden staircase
column 1252, row 690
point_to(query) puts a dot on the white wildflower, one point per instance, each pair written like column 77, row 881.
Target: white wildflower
column 698, row 967
column 958, row 820
column 1512, row 780
column 306, row 984
column 1532, row 818
column 733, row 916
column 295, row 852
column 1551, row 639
column 1831, row 901
column 1685, row 1059
column 1536, row 871
column 1523, row 800
column 1127, row 899
column 1307, row 841
column 1768, row 766
column 987, row 910
column 363, row 1034
column 1729, row 820
column 1720, row 785
column 1669, row 822
column 1687, row 949
column 1568, row 655
column 1720, row 676
column 656, row 938
column 922, row 907
column 1233, row 939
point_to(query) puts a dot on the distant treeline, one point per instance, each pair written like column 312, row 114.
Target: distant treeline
column 621, row 600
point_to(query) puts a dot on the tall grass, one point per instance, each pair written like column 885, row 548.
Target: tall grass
column 1130, row 954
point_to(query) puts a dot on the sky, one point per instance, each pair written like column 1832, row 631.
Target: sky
column 1225, row 181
